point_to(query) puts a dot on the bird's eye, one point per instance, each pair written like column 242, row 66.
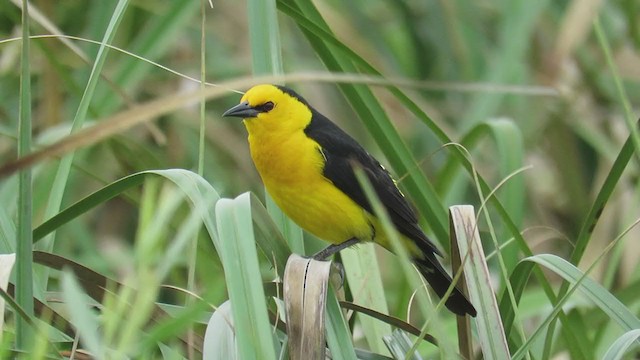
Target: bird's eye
column 266, row 107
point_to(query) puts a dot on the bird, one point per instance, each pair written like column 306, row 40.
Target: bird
column 307, row 164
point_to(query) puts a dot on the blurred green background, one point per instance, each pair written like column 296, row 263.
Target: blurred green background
column 541, row 93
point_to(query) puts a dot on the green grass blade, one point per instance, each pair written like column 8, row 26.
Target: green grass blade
column 180, row 320
column 518, row 20
column 239, row 256
column 220, row 338
column 510, row 151
column 158, row 36
column 62, row 174
column 399, row 345
column 491, row 334
column 363, row 274
column 7, row 261
column 602, row 298
column 622, row 95
column 518, row 280
column 631, row 146
column 617, row 350
column 200, row 193
column 579, row 280
column 24, row 269
column 268, row 236
column 83, row 318
column 8, row 234
column 64, row 168
column 264, row 36
column 338, row 334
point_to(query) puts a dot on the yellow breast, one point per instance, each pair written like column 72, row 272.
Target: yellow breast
column 291, row 169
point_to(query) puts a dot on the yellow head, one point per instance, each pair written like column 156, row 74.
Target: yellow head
column 271, row 109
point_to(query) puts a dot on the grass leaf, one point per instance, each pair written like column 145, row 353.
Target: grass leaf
column 82, row 317
column 622, row 344
column 239, row 256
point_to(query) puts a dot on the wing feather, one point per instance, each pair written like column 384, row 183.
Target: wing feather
column 342, row 152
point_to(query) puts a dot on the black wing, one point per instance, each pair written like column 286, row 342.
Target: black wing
column 342, row 152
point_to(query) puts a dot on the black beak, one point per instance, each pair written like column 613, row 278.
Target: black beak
column 242, row 110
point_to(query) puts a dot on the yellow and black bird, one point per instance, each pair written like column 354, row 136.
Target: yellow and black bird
column 306, row 163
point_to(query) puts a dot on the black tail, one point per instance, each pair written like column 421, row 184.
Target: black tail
column 440, row 281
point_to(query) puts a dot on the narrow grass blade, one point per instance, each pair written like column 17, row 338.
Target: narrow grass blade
column 7, row 232
column 625, row 342
column 491, row 334
column 601, row 200
column 399, row 345
column 339, row 337
column 390, row 320
column 159, row 35
column 365, row 281
column 64, row 168
column 268, row 236
column 24, row 270
column 367, row 355
column 512, row 51
column 595, row 292
column 41, row 309
column 518, row 280
column 6, row 265
column 199, row 192
column 239, row 257
column 168, row 326
column 602, row 298
column 622, row 94
column 509, row 151
column 82, row 317
column 62, row 174
column 93, row 283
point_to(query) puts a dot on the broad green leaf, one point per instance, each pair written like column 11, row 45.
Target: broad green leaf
column 268, row 236
column 220, row 337
column 239, row 256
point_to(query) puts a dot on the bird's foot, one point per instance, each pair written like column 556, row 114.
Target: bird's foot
column 325, row 253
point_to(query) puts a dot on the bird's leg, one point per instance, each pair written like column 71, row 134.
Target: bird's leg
column 334, row 248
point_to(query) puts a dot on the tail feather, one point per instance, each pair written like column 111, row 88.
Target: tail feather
column 440, row 281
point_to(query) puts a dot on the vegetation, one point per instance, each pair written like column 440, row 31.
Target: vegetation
column 146, row 215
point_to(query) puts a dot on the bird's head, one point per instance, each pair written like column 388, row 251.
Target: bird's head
column 270, row 109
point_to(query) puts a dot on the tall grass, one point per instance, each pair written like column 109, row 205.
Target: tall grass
column 23, row 241
column 523, row 109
